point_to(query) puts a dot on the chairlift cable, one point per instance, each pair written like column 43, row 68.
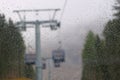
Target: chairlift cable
column 64, row 6
column 60, row 41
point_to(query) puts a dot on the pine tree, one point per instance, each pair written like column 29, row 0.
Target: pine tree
column 89, row 58
column 107, row 52
column 94, row 59
column 29, row 72
column 12, row 49
column 101, row 68
column 112, row 39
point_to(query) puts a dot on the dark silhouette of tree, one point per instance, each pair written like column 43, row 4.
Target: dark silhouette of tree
column 12, row 49
column 89, row 58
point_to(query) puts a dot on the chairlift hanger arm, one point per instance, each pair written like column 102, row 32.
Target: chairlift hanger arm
column 19, row 16
column 54, row 15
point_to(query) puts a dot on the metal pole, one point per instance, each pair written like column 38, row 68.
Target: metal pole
column 38, row 52
column 49, row 70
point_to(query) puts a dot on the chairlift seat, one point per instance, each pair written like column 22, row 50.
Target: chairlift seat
column 30, row 59
column 58, row 55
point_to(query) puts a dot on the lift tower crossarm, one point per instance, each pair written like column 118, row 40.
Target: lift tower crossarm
column 38, row 22
column 36, row 10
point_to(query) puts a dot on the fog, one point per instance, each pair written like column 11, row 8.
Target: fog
column 79, row 17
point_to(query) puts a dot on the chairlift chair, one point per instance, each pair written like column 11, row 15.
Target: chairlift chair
column 58, row 55
column 30, row 59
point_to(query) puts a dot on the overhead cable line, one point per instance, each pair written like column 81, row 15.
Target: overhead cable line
column 64, row 6
column 61, row 16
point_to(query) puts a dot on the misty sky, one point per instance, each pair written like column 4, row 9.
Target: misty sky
column 79, row 17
